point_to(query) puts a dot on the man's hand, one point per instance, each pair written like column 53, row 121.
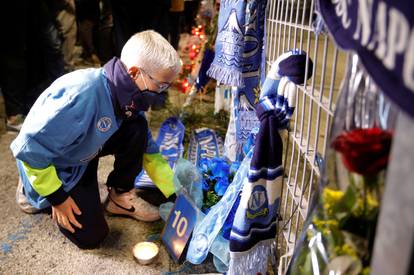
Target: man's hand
column 63, row 214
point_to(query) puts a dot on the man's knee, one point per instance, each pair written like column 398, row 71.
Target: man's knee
column 87, row 238
column 95, row 240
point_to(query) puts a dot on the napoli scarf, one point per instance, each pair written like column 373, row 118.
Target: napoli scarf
column 203, row 144
column 244, row 116
column 254, row 226
column 254, row 58
column 227, row 65
column 239, row 43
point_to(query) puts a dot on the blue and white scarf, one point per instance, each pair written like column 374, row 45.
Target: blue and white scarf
column 239, row 45
column 248, row 62
column 254, row 226
column 245, row 121
column 255, row 222
column 227, row 65
column 261, row 183
column 203, row 144
column 170, row 138
column 254, row 54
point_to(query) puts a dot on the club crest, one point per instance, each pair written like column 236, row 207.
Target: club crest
column 258, row 204
column 104, row 124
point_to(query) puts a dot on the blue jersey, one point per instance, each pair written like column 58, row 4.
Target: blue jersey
column 67, row 127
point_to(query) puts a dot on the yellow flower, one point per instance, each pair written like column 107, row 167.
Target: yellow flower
column 330, row 198
column 366, row 271
column 372, row 206
column 325, row 226
column 346, row 249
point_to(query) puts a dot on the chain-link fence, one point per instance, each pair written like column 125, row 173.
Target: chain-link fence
column 291, row 24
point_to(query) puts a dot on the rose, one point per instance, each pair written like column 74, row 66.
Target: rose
column 364, row 151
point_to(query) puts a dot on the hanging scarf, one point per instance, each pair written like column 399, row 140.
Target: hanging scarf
column 254, row 226
column 245, row 118
column 227, row 65
column 381, row 32
column 254, row 58
column 255, row 222
column 239, row 44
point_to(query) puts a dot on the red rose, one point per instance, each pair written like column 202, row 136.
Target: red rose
column 364, row 151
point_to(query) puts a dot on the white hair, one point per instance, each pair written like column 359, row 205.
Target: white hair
column 149, row 50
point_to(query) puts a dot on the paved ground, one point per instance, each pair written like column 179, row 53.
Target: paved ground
column 31, row 244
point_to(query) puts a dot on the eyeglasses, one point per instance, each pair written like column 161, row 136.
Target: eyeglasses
column 162, row 86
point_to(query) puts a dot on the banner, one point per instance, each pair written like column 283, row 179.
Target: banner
column 382, row 34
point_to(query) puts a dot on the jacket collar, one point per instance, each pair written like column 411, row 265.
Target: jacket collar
column 122, row 88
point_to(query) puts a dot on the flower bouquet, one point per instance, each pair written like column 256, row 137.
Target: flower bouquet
column 217, row 174
column 339, row 234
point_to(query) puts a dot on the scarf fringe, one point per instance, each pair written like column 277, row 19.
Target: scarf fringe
column 252, row 261
column 225, row 75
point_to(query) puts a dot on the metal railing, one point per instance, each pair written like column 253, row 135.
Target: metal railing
column 289, row 25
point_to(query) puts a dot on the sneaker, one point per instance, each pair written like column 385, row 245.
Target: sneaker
column 22, row 201
column 129, row 204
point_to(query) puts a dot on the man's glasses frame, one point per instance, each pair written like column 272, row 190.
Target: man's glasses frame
column 162, row 86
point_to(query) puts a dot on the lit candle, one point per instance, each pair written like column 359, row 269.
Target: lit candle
column 145, row 252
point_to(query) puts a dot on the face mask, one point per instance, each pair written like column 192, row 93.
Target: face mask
column 146, row 98
column 159, row 103
column 152, row 98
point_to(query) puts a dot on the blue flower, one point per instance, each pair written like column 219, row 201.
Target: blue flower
column 220, row 168
column 212, row 163
column 217, row 174
column 221, row 186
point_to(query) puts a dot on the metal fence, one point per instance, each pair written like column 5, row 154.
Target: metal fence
column 289, row 25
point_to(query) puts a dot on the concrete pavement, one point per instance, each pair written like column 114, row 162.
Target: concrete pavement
column 31, row 244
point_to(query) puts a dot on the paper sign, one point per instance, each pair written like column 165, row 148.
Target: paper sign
column 179, row 226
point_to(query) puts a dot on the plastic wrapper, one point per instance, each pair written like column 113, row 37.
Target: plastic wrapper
column 339, row 233
column 216, row 223
column 186, row 176
column 208, row 231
